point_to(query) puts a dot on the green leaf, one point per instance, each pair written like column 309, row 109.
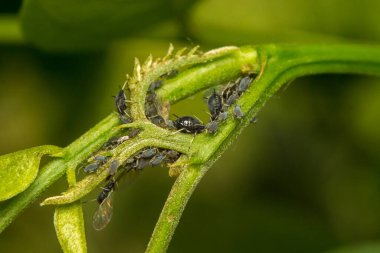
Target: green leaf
column 69, row 227
column 19, row 169
column 69, row 224
column 70, row 25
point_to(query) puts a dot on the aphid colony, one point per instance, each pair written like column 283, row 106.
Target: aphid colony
column 217, row 103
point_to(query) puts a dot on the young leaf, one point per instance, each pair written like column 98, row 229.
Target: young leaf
column 19, row 169
column 69, row 224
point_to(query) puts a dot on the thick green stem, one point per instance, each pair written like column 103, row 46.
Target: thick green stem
column 174, row 206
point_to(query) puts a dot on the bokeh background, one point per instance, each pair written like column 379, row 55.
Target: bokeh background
column 304, row 178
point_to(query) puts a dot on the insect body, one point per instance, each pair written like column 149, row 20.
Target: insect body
column 244, row 84
column 188, row 124
column 222, row 116
column 172, row 155
column 101, row 158
column 232, row 98
column 147, row 153
column 92, row 167
column 103, row 214
column 98, row 161
column 238, row 112
column 120, row 102
column 113, row 168
column 214, row 104
column 142, row 163
column 212, row 127
column 157, row 159
column 228, row 90
column 155, row 85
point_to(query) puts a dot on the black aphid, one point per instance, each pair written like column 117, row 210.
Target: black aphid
column 157, row 159
column 222, row 116
column 125, row 119
column 228, row 91
column 232, row 98
column 130, row 164
column 103, row 214
column 244, row 84
column 106, row 191
column 188, row 124
column 120, row 102
column 158, row 121
column 170, row 124
column 142, row 163
column 238, row 112
column 150, row 97
column 92, row 167
column 172, row 154
column 101, row 158
column 147, row 153
column 155, row 85
column 214, row 104
column 113, row 168
column 150, row 110
column 133, row 132
column 212, row 127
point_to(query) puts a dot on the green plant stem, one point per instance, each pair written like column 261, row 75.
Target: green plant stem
column 52, row 171
column 279, row 65
column 175, row 204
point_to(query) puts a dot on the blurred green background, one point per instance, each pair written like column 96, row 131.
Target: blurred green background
column 305, row 178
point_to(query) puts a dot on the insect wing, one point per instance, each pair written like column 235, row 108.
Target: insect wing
column 103, row 214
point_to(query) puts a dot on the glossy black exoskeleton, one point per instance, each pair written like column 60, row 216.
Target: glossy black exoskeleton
column 214, row 104
column 106, row 191
column 120, row 102
column 188, row 124
column 103, row 214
